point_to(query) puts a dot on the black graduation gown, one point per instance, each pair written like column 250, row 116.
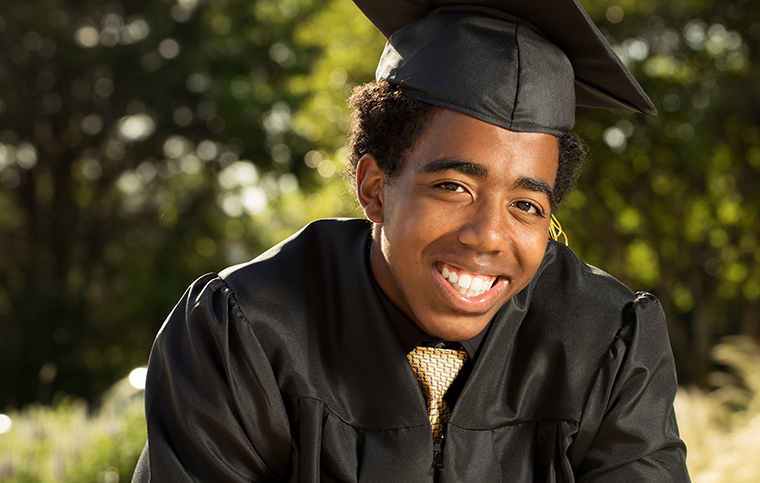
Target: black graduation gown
column 287, row 369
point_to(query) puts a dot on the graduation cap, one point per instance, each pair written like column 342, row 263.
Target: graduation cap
column 519, row 64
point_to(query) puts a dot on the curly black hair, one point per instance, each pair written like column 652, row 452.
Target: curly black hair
column 386, row 123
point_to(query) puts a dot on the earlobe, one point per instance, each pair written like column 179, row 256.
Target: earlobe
column 370, row 180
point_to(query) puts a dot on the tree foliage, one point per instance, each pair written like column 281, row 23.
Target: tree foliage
column 144, row 143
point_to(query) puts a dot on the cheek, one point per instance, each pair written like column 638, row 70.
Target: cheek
column 536, row 253
column 412, row 237
column 532, row 246
column 412, row 220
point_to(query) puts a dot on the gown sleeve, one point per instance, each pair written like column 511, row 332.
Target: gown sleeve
column 214, row 410
column 634, row 436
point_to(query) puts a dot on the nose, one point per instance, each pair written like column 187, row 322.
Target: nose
column 486, row 227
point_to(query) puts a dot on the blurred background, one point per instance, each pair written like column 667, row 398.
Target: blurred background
column 145, row 143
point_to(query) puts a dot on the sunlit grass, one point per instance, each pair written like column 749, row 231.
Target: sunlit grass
column 72, row 442
column 722, row 428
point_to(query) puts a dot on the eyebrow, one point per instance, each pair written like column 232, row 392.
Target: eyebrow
column 535, row 185
column 466, row 167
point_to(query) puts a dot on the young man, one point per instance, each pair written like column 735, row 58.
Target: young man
column 324, row 358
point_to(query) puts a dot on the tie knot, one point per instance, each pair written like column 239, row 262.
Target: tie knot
column 436, row 369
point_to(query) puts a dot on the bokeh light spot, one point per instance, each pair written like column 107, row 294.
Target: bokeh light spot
column 326, row 168
column 136, row 127
column 104, row 87
column 182, row 116
column 92, row 124
column 198, row 82
column 206, row 247
column 5, row 423
column 87, row 36
column 134, row 31
column 26, row 156
column 176, row 146
column 137, row 377
column 240, row 173
column 614, row 14
column 614, row 137
column 168, row 48
column 254, row 200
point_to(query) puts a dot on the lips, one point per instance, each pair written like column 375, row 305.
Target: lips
column 466, row 283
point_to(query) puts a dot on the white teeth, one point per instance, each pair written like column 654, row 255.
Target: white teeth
column 476, row 284
column 467, row 284
column 464, row 281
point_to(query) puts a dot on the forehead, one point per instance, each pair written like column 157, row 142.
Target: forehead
column 451, row 135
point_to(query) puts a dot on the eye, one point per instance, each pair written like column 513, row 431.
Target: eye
column 451, row 186
column 527, row 207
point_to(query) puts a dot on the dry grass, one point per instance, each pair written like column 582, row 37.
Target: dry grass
column 722, row 428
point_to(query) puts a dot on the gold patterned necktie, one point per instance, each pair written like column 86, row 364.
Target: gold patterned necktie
column 436, row 369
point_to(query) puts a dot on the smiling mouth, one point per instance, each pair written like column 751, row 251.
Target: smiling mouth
column 466, row 283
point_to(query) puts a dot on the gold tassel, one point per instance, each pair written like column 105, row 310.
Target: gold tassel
column 555, row 230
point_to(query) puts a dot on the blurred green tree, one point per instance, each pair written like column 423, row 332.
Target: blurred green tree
column 144, row 143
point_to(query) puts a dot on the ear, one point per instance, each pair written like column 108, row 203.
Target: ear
column 370, row 180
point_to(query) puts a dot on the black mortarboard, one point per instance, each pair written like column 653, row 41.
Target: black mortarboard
column 519, row 64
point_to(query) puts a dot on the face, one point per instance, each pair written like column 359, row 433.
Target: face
column 464, row 225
